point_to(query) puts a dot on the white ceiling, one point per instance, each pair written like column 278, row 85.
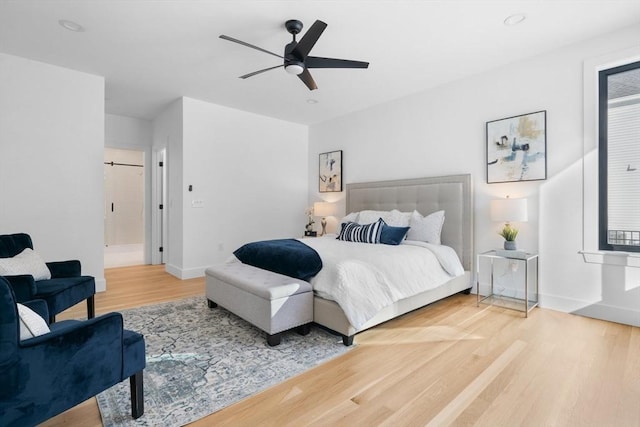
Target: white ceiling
column 154, row 51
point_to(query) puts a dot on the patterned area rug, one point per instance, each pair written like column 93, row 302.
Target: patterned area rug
column 200, row 360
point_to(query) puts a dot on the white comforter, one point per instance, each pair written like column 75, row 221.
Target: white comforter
column 364, row 278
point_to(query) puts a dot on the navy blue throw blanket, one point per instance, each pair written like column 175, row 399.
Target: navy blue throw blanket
column 285, row 256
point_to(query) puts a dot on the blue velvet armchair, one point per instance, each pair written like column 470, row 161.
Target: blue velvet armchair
column 44, row 376
column 66, row 288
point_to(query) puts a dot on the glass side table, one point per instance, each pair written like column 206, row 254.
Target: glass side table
column 508, row 279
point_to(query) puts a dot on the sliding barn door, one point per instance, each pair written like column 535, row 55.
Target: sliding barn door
column 124, row 197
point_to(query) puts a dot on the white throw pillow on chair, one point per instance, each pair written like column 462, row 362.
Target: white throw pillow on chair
column 26, row 262
column 31, row 324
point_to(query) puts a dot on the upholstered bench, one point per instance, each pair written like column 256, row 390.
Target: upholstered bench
column 271, row 301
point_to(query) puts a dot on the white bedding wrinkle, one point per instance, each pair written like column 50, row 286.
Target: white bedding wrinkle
column 446, row 256
column 364, row 278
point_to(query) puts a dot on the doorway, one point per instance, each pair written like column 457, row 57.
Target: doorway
column 123, row 207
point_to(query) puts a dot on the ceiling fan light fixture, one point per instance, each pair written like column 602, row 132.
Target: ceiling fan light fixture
column 294, row 68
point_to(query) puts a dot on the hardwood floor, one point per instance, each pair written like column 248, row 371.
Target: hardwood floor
column 450, row 363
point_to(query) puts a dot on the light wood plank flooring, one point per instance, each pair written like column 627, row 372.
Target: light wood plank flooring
column 450, row 363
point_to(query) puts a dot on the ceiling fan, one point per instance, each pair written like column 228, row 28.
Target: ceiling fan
column 296, row 54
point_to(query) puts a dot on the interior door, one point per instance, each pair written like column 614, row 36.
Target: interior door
column 124, row 197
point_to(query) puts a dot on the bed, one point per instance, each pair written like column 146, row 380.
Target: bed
column 358, row 285
column 453, row 194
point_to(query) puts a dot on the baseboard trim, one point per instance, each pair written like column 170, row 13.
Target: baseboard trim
column 597, row 310
column 184, row 274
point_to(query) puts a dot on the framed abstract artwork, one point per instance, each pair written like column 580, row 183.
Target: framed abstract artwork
column 517, row 148
column 330, row 172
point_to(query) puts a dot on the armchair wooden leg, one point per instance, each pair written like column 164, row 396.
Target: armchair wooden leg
column 137, row 395
column 91, row 307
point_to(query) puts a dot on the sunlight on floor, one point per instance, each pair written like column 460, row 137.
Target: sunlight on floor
column 381, row 336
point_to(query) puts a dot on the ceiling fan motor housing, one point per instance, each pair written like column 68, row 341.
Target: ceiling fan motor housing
column 293, row 26
column 290, row 57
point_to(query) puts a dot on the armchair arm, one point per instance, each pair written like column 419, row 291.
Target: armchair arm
column 60, row 269
column 68, row 365
column 23, row 285
column 40, row 307
column 108, row 327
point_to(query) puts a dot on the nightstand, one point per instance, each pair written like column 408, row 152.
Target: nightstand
column 508, row 280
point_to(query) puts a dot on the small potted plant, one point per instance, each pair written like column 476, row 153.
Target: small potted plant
column 509, row 234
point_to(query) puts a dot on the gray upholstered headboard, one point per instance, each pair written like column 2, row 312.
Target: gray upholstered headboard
column 453, row 194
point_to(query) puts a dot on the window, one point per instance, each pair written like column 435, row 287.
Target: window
column 619, row 158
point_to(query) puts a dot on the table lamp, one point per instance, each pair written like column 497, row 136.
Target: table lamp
column 323, row 209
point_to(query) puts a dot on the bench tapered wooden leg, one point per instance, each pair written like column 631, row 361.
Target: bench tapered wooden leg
column 304, row 329
column 274, row 339
column 347, row 340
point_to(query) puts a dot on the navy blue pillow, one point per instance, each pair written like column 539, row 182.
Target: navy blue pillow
column 353, row 232
column 392, row 235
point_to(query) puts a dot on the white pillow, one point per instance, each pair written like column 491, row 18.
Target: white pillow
column 426, row 229
column 26, row 262
column 394, row 218
column 352, row 217
column 398, row 219
column 369, row 217
column 31, row 324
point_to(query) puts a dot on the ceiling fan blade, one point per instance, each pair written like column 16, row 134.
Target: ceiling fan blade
column 231, row 39
column 260, row 71
column 309, row 39
column 305, row 76
column 317, row 62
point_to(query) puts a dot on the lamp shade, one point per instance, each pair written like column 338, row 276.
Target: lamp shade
column 509, row 210
column 323, row 209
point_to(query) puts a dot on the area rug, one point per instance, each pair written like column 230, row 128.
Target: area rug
column 200, row 360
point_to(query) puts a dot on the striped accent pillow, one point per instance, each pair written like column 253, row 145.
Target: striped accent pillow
column 353, row 232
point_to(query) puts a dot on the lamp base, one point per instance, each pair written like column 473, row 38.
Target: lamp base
column 324, row 226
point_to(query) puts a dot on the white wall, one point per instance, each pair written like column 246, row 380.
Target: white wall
column 167, row 135
column 442, row 131
column 131, row 133
column 51, row 155
column 127, row 132
column 248, row 171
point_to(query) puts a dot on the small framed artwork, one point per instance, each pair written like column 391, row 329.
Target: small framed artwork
column 517, row 148
column 330, row 172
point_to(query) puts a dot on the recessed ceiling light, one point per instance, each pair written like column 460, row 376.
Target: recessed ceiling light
column 515, row 19
column 312, row 101
column 71, row 26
